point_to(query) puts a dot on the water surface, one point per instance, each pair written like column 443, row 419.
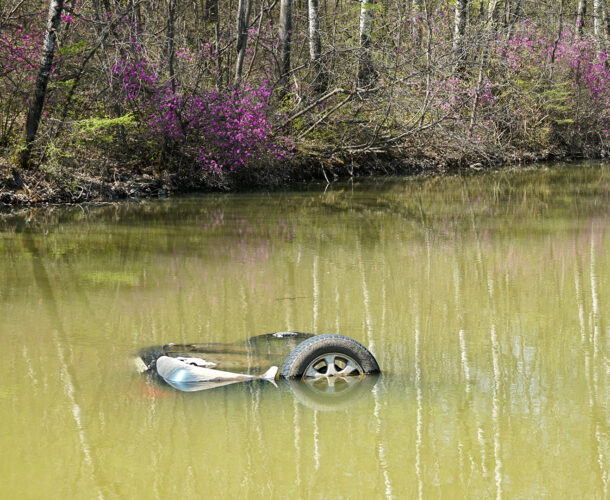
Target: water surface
column 485, row 300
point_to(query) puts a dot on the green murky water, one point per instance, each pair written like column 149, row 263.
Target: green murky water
column 485, row 301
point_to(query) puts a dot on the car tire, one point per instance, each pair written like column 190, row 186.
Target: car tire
column 328, row 356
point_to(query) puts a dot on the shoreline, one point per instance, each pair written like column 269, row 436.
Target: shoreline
column 74, row 185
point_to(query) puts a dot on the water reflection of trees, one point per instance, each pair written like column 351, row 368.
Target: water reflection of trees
column 487, row 326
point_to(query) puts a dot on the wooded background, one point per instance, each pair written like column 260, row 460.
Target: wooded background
column 227, row 85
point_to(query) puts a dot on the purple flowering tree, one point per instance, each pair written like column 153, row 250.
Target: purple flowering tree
column 220, row 130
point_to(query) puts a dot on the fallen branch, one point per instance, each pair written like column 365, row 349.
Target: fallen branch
column 303, row 111
column 326, row 115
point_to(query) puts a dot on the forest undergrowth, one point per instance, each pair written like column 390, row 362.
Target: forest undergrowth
column 111, row 99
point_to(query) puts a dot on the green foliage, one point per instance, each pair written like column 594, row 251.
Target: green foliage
column 104, row 124
column 72, row 49
column 555, row 101
column 53, row 157
column 61, row 84
column 19, row 147
column 374, row 7
column 101, row 130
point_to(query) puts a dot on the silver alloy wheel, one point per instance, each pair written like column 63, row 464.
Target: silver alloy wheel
column 328, row 357
column 333, row 364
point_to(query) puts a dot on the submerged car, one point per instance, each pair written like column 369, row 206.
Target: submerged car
column 321, row 369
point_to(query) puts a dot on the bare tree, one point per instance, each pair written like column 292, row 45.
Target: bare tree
column 597, row 18
column 418, row 6
column 285, row 37
column 243, row 22
column 558, row 37
column 211, row 10
column 512, row 14
column 459, row 27
column 170, row 52
column 40, row 89
column 315, row 47
column 366, row 72
column 490, row 30
column 580, row 16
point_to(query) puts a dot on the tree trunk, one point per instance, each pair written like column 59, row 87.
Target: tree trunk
column 597, row 19
column 217, row 48
column 417, row 29
column 490, row 31
column 580, row 16
column 211, row 10
column 285, row 36
column 459, row 28
column 482, row 10
column 40, row 90
column 171, row 9
column 315, row 48
column 512, row 19
column 366, row 71
column 243, row 23
column 558, row 38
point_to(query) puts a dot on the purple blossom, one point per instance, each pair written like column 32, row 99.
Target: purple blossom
column 225, row 129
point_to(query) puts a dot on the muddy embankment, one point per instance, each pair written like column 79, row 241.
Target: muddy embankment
column 115, row 182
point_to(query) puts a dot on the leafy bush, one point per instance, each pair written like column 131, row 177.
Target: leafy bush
column 222, row 129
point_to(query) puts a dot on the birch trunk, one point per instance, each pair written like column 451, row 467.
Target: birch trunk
column 512, row 19
column 285, row 37
column 40, row 90
column 315, row 47
column 217, row 47
column 597, row 18
column 366, row 71
column 243, row 22
column 417, row 29
column 580, row 16
column 459, row 28
column 490, row 31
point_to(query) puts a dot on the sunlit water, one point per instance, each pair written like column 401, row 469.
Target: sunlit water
column 484, row 299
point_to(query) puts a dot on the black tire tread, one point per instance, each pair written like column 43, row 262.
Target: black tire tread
column 301, row 355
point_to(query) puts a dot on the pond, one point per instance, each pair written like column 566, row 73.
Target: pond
column 483, row 298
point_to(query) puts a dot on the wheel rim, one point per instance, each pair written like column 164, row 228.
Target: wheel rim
column 333, row 365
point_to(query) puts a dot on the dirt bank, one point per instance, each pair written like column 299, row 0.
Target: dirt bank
column 116, row 181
